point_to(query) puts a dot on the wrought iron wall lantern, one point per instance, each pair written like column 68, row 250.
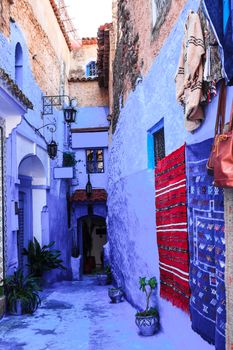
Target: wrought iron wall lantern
column 69, row 110
column 89, row 187
column 52, row 149
column 52, row 146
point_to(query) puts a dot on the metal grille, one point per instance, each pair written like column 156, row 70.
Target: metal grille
column 159, row 145
column 20, row 234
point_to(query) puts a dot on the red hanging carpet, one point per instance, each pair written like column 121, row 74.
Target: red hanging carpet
column 171, row 227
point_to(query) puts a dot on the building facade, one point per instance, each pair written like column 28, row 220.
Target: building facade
column 148, row 126
column 89, row 142
column 35, row 63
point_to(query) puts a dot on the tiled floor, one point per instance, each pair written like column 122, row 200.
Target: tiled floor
column 78, row 315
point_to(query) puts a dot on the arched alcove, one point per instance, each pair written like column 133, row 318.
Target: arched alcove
column 32, row 199
column 19, row 65
column 32, row 166
column 91, row 236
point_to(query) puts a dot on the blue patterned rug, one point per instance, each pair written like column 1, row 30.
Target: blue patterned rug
column 206, row 247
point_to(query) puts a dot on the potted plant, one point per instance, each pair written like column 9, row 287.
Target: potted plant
column 115, row 294
column 147, row 320
column 69, row 159
column 105, row 277
column 41, row 259
column 21, row 293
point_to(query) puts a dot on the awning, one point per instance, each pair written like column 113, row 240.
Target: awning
column 98, row 195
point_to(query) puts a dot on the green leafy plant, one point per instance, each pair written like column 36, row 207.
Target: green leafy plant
column 41, row 259
column 108, row 270
column 24, row 288
column 69, row 159
column 147, row 286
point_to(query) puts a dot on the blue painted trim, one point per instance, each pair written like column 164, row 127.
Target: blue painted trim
column 157, row 126
column 150, row 151
column 226, row 14
column 150, row 143
column 12, row 100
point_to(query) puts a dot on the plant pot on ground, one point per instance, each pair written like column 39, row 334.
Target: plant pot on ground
column 21, row 293
column 148, row 319
column 105, row 277
column 115, row 294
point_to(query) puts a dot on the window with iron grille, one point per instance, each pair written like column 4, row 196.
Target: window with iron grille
column 95, row 160
column 159, row 145
column 91, row 69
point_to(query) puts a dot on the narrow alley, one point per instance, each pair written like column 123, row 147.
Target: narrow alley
column 116, row 166
column 78, row 315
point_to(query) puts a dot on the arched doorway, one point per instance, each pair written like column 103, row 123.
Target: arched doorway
column 32, row 199
column 91, row 236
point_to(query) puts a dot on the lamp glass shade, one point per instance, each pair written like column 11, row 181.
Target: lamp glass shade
column 69, row 114
column 88, row 187
column 52, row 149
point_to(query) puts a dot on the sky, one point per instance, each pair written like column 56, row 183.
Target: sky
column 88, row 15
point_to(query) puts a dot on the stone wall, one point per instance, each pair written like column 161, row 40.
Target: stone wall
column 88, row 93
column 131, row 193
column 48, row 52
column 138, row 43
column 80, row 58
column 5, row 16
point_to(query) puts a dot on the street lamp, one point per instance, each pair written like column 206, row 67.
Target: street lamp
column 89, row 187
column 69, row 109
column 52, row 145
column 52, row 149
column 69, row 114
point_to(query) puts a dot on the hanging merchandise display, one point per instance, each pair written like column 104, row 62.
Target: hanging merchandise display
column 171, row 228
column 189, row 75
column 228, row 214
column 220, row 17
column 219, row 124
column 212, row 58
column 223, row 166
column 206, row 247
column 221, row 157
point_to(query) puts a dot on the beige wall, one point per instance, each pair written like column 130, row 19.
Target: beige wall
column 4, row 17
column 149, row 45
column 44, row 38
column 80, row 58
column 88, row 93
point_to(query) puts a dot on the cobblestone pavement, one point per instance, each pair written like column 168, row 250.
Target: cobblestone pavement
column 78, row 315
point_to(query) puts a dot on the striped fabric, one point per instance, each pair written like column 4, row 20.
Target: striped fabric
column 171, row 228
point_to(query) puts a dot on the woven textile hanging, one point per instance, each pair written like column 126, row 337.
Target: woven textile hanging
column 228, row 214
column 206, row 247
column 171, row 228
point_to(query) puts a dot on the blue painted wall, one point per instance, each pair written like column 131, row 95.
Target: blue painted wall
column 131, row 193
column 55, row 190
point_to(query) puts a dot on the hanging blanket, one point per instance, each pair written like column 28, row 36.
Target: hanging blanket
column 171, row 226
column 206, row 247
column 228, row 206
